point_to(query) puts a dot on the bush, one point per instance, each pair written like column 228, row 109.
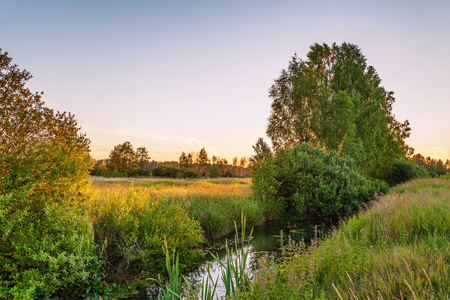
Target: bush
column 316, row 184
column 265, row 186
column 130, row 225
column 172, row 172
column 404, row 170
column 399, row 248
column 214, row 172
column 45, row 248
column 45, row 236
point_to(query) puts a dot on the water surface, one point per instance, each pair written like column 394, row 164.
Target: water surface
column 266, row 239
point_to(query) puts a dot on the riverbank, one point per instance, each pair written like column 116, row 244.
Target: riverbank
column 399, row 248
column 132, row 218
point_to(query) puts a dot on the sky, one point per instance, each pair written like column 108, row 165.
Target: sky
column 177, row 76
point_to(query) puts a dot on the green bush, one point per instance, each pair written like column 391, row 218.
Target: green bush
column 46, row 240
column 214, row 172
column 44, row 249
column 405, row 170
column 130, row 226
column 264, row 184
column 399, row 248
column 317, row 184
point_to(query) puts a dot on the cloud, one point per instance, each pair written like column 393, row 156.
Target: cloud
column 143, row 134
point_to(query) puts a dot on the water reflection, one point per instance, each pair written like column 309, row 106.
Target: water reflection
column 265, row 240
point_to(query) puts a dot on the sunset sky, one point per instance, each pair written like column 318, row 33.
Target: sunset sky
column 177, row 76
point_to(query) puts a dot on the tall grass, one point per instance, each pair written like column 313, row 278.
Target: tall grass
column 130, row 219
column 235, row 275
column 398, row 248
column 234, row 269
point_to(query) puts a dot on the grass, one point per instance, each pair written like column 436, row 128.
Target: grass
column 215, row 204
column 398, row 248
column 234, row 271
column 131, row 218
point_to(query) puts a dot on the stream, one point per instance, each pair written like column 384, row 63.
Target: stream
column 265, row 239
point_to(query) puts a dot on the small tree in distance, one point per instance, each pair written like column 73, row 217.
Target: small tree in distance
column 203, row 160
column 142, row 157
column 122, row 157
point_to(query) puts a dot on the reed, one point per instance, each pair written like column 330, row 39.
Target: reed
column 234, row 270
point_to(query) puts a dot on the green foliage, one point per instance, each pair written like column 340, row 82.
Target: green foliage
column 234, row 271
column 160, row 171
column 398, row 248
column 130, row 225
column 142, row 157
column 334, row 100
column 235, row 276
column 186, row 161
column 45, row 237
column 405, row 170
column 435, row 168
column 214, row 172
column 316, row 184
column 44, row 247
column 203, row 160
column 172, row 172
column 173, row 290
column 123, row 157
column 265, row 185
column 217, row 215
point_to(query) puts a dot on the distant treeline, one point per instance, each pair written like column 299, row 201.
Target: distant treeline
column 124, row 161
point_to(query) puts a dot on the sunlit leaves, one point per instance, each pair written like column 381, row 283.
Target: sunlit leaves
column 334, row 100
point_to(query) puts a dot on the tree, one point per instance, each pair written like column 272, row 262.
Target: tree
column 45, row 234
column 203, row 160
column 235, row 161
column 243, row 164
column 235, row 164
column 190, row 160
column 335, row 101
column 123, row 157
column 214, row 172
column 264, row 183
column 142, row 157
column 183, row 160
column 318, row 184
column 223, row 165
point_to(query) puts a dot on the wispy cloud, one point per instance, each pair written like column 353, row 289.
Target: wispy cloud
column 142, row 134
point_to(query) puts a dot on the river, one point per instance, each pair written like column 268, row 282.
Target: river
column 265, row 239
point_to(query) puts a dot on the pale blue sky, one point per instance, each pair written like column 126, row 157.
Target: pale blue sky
column 179, row 75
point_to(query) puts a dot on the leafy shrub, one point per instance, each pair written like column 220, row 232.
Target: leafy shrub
column 265, row 186
column 45, row 237
column 316, row 184
column 44, row 248
column 398, row 248
column 404, row 170
column 214, row 172
column 130, row 225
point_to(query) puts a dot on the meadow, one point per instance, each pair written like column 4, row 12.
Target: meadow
column 131, row 219
column 396, row 248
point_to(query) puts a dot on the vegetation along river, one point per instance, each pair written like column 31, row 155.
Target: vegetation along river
column 265, row 239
